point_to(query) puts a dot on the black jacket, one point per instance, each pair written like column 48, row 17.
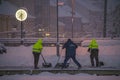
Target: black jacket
column 70, row 48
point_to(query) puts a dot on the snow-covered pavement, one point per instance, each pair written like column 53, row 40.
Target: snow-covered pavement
column 50, row 76
column 22, row 56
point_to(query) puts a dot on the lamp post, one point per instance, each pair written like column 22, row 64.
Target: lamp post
column 105, row 18
column 73, row 7
column 21, row 15
column 57, row 45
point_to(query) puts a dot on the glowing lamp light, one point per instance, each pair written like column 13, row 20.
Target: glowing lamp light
column 21, row 15
column 47, row 34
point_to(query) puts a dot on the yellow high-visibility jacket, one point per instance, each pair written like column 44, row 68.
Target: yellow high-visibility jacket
column 93, row 44
column 37, row 47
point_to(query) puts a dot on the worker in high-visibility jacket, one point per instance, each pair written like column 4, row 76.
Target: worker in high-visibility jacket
column 37, row 49
column 93, row 48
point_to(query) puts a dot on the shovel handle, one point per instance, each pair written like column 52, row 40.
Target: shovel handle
column 43, row 59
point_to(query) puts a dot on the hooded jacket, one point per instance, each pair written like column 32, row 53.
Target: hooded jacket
column 37, row 47
column 93, row 44
column 70, row 48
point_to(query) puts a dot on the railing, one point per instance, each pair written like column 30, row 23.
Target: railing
column 33, row 40
column 47, row 40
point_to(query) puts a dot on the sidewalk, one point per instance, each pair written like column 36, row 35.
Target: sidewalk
column 12, row 70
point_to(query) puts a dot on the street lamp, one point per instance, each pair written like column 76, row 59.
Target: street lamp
column 21, row 15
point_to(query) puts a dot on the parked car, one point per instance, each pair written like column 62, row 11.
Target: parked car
column 2, row 49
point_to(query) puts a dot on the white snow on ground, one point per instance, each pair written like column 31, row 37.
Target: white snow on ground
column 22, row 56
column 50, row 76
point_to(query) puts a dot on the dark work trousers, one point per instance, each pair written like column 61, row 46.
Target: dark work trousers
column 36, row 59
column 94, row 55
column 73, row 58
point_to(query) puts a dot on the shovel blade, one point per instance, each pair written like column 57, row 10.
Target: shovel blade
column 60, row 65
column 46, row 65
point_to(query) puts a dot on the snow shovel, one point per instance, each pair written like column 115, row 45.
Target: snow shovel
column 59, row 65
column 45, row 64
column 101, row 63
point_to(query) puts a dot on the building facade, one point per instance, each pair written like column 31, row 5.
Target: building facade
column 42, row 19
